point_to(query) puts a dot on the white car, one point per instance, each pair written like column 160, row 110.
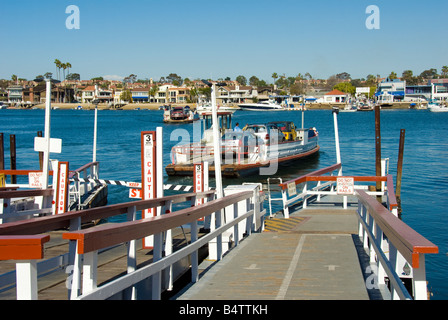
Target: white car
column 240, row 143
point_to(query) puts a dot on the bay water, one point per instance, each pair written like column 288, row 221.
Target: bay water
column 425, row 167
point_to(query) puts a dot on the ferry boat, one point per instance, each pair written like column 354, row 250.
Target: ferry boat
column 179, row 115
column 247, row 153
column 261, row 106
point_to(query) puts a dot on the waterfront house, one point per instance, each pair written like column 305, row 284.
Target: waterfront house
column 88, row 94
column 335, row 96
column 434, row 89
column 178, row 94
column 234, row 94
column 140, row 94
column 390, row 90
column 15, row 94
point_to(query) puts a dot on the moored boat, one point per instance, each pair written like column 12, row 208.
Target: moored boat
column 434, row 106
column 207, row 108
column 261, row 106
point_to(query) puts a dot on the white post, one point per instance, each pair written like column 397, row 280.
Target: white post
column 216, row 145
column 336, row 137
column 159, row 165
column 26, row 280
column 89, row 274
column 47, row 134
column 95, row 133
column 419, row 280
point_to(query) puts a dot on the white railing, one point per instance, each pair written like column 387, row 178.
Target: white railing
column 83, row 183
column 87, row 245
column 396, row 251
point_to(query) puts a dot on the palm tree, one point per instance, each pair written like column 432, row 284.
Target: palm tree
column 57, row 62
column 275, row 76
column 153, row 91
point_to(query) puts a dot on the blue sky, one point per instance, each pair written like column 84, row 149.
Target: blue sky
column 218, row 39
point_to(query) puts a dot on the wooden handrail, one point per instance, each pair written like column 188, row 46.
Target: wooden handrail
column 301, row 179
column 25, row 193
column 22, row 172
column 103, row 236
column 391, row 192
column 355, row 178
column 22, row 247
column 49, row 223
column 409, row 242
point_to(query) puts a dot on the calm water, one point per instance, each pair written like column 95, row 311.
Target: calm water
column 425, row 170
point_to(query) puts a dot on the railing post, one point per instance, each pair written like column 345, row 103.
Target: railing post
column 419, row 279
column 218, row 238
column 89, row 275
column 132, row 250
column 235, row 227
column 73, row 260
column 26, row 280
column 76, row 276
column 304, row 192
column 157, row 277
column 168, row 248
column 194, row 255
column 285, row 206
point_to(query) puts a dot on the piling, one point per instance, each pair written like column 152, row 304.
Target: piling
column 378, row 147
column 12, row 150
column 41, row 154
column 2, row 153
column 400, row 169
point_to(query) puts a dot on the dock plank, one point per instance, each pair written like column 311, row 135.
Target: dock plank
column 316, row 259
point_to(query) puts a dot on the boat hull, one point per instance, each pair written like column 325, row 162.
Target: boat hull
column 260, row 107
column 236, row 170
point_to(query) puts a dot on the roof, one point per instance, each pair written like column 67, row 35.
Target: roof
column 335, row 93
column 89, row 88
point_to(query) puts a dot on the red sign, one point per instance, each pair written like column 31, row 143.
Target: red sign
column 199, row 181
column 62, row 188
column 148, row 149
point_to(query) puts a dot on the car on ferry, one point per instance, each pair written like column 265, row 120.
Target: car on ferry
column 269, row 132
column 288, row 128
column 240, row 143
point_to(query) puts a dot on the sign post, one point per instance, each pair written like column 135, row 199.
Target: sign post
column 199, row 180
column 148, row 153
column 62, row 188
column 345, row 186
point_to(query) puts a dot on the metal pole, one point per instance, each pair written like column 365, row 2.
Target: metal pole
column 216, row 145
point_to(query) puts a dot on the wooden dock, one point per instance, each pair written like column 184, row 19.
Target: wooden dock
column 311, row 256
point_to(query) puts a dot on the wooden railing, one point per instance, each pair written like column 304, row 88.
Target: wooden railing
column 386, row 239
column 27, row 250
column 23, row 229
column 8, row 208
column 91, row 240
